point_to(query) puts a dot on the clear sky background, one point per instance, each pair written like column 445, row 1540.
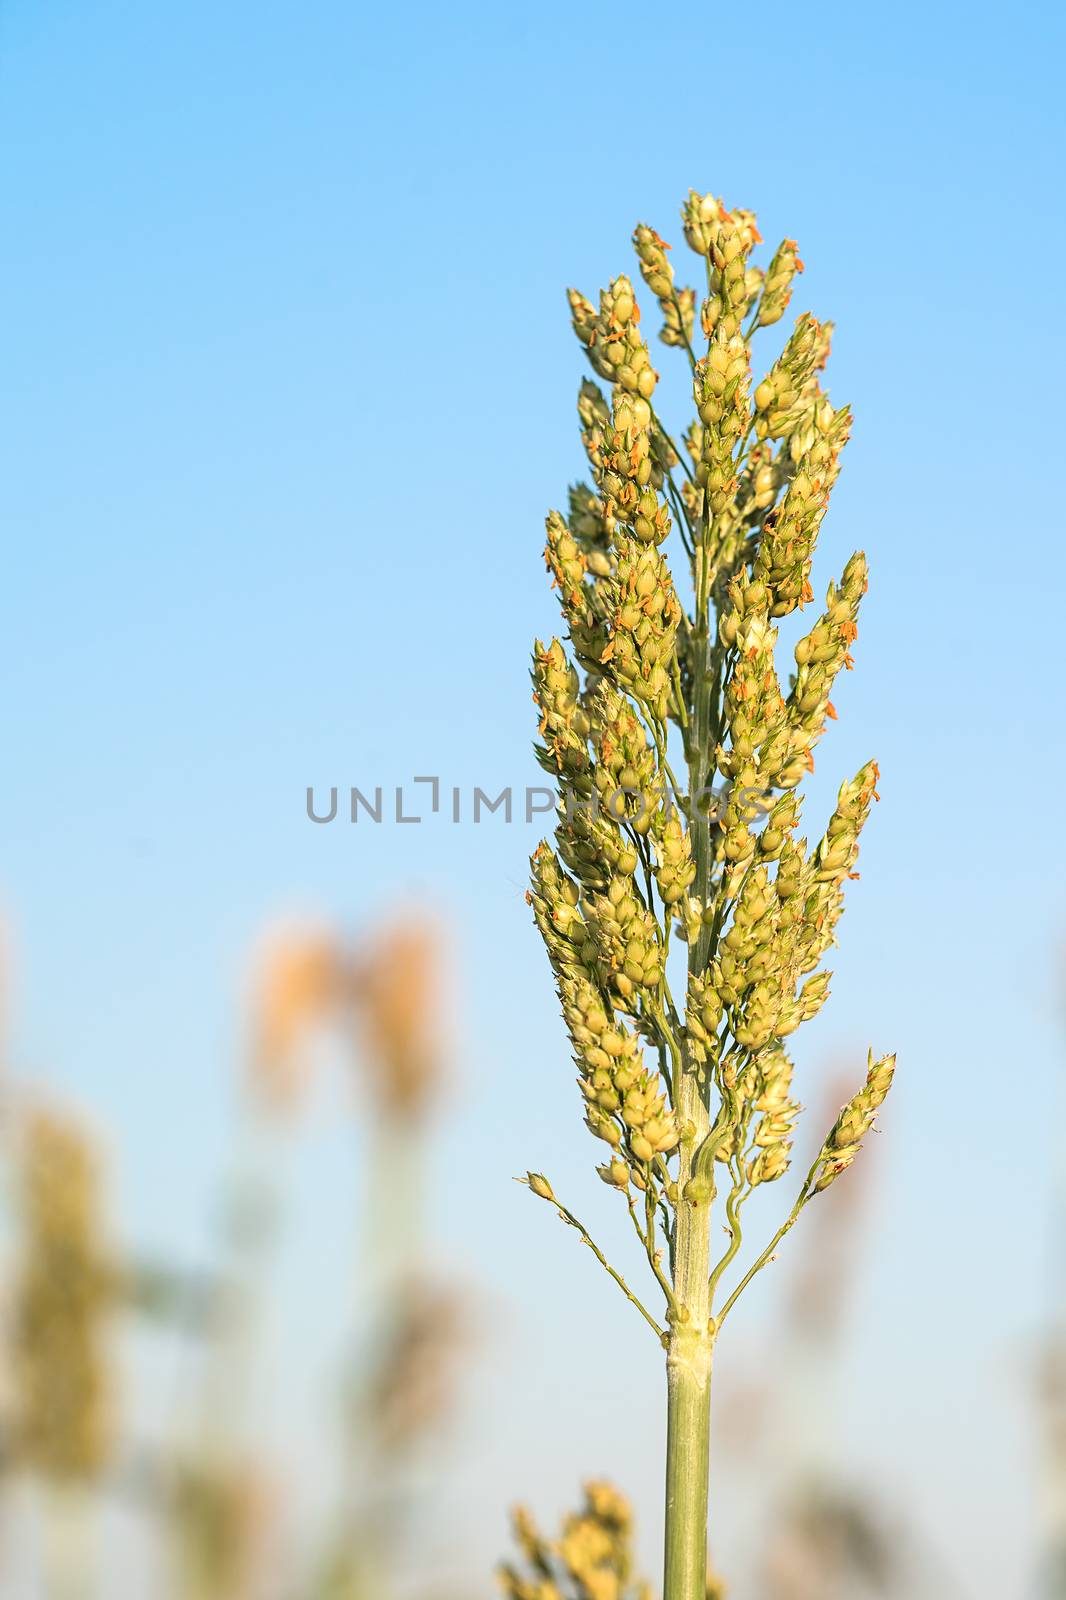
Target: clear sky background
column 288, row 388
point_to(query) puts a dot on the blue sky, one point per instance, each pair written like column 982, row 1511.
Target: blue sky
column 288, row 388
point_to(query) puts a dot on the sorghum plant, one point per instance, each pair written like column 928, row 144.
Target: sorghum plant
column 591, row 1560
column 64, row 1293
column 693, row 1096
column 64, row 1297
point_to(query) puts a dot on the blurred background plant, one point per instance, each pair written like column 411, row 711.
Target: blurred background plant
column 211, row 1494
column 1051, row 1411
column 213, row 1497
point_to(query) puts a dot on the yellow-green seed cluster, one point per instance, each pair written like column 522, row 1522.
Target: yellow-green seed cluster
column 605, row 951
column 781, row 396
column 644, row 618
column 783, row 924
column 564, row 723
column 678, row 305
column 65, row 1286
column 721, row 384
column 660, row 675
column 777, row 287
column 592, row 1558
column 855, row 1121
column 626, row 775
column 616, row 348
column 582, row 591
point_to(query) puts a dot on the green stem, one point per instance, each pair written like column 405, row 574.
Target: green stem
column 688, row 1438
column 768, row 1253
column 737, row 1196
column 688, row 1360
column 675, row 297
column 69, row 1541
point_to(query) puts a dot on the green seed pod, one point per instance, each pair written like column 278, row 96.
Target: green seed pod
column 699, row 217
column 654, row 266
column 777, row 289
column 674, row 869
column 564, row 723
column 645, row 613
column 778, row 397
column 593, row 846
column 616, row 1174
column 855, row 1121
column 768, row 1165
column 602, row 1126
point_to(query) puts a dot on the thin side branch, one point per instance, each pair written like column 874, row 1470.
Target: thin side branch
column 586, row 1238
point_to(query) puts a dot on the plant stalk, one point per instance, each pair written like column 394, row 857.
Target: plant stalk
column 689, row 1354
column 688, row 1435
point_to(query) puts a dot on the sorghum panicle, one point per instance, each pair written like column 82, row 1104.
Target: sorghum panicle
column 678, row 750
